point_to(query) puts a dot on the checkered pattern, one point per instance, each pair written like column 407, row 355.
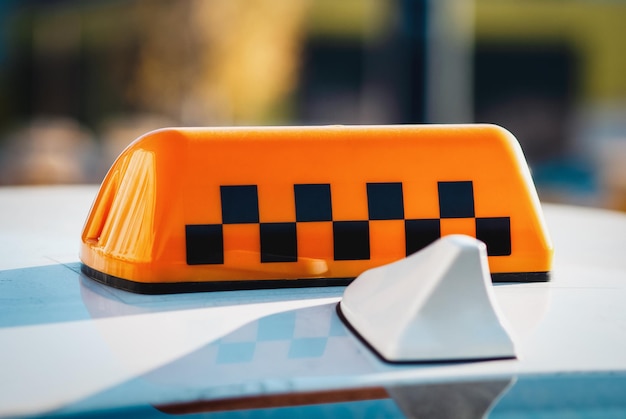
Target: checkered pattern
column 351, row 238
column 304, row 342
column 292, row 335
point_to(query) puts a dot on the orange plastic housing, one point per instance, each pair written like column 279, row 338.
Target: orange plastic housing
column 194, row 209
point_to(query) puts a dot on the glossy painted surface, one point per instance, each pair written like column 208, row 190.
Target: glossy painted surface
column 230, row 204
column 69, row 345
column 435, row 305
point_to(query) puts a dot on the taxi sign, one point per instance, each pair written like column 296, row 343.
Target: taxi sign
column 195, row 209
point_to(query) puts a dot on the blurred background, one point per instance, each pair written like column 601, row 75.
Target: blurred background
column 79, row 80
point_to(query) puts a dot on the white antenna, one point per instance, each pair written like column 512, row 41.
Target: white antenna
column 436, row 305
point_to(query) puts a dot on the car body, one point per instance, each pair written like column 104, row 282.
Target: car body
column 71, row 346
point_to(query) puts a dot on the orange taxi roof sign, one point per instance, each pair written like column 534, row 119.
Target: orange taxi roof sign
column 194, row 209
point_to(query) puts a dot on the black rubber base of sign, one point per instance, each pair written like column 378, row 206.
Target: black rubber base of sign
column 187, row 287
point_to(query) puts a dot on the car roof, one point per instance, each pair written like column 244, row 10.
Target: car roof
column 72, row 345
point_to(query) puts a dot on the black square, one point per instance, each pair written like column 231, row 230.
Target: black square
column 279, row 242
column 313, row 202
column 420, row 233
column 205, row 244
column 385, row 201
column 496, row 234
column 351, row 240
column 456, row 199
column 240, row 204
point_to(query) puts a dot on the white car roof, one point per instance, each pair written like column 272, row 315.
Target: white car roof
column 70, row 344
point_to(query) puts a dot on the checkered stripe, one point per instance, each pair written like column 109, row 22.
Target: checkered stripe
column 284, row 337
column 351, row 239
